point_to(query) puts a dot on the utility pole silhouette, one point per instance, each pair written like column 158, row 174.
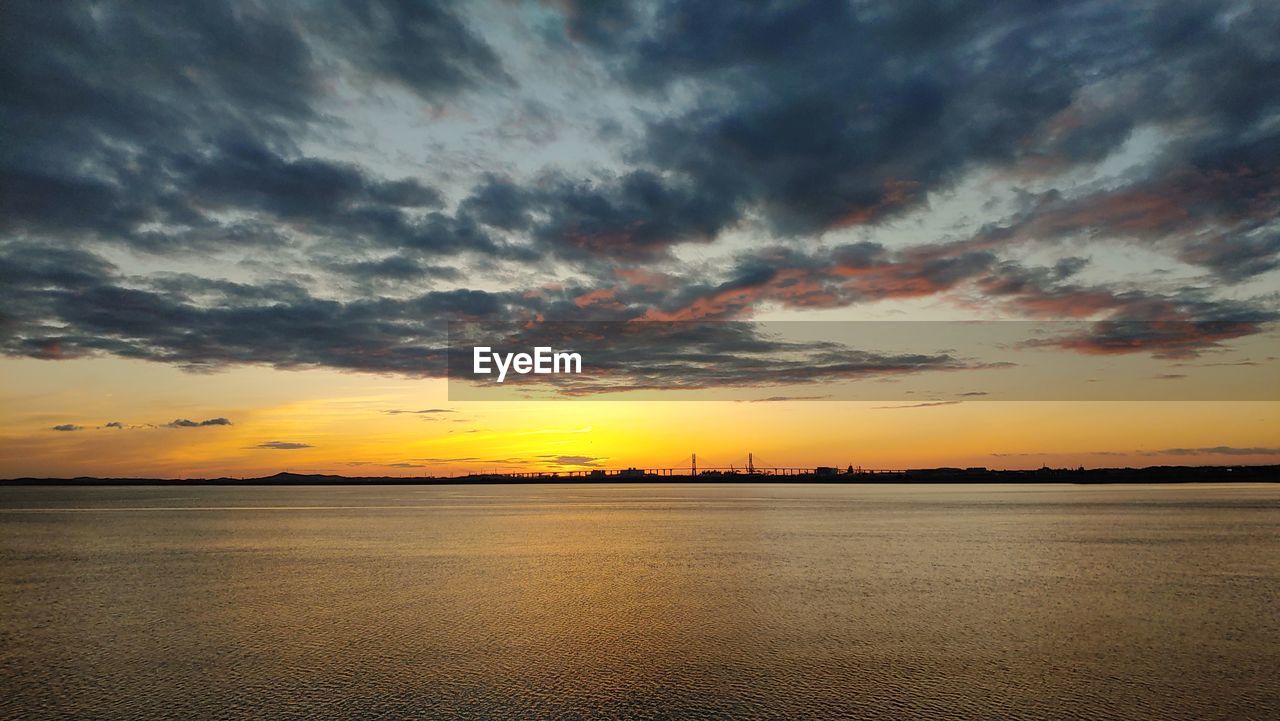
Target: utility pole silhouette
column 693, row 467
column 751, row 463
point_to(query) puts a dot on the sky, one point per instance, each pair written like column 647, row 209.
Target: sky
column 233, row 234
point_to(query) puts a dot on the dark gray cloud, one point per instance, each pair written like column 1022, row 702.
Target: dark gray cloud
column 1238, row 257
column 638, row 215
column 143, row 125
column 199, row 324
column 1166, row 325
column 322, row 198
column 1175, row 338
column 572, row 461
column 394, row 269
column 499, row 203
column 281, row 446
column 831, row 113
column 819, row 114
column 1219, row 451
column 1213, row 207
column 825, row 115
column 245, row 175
column 425, row 46
column 816, row 113
column 68, row 427
column 186, row 423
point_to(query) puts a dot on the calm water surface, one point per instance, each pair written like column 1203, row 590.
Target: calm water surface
column 641, row 601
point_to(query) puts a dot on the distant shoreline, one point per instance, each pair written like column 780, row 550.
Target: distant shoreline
column 1151, row 474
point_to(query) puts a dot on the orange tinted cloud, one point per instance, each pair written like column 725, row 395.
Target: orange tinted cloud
column 792, row 287
column 644, row 278
column 897, row 194
column 600, row 296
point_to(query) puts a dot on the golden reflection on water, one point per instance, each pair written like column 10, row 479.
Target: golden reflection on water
column 572, row 601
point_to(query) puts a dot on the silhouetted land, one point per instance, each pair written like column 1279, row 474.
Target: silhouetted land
column 1151, row 474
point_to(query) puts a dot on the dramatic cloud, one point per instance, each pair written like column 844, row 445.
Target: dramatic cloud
column 847, row 274
column 1215, row 208
column 161, row 128
column 829, row 113
column 201, row 324
column 637, row 216
column 424, row 46
column 327, row 184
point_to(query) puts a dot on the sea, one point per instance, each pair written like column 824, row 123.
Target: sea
column 619, row 601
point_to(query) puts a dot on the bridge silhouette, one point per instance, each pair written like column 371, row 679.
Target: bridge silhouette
column 692, row 468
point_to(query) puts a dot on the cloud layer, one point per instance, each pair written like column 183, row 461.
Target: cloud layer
column 327, row 186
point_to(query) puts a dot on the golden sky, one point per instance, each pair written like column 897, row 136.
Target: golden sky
column 342, row 419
